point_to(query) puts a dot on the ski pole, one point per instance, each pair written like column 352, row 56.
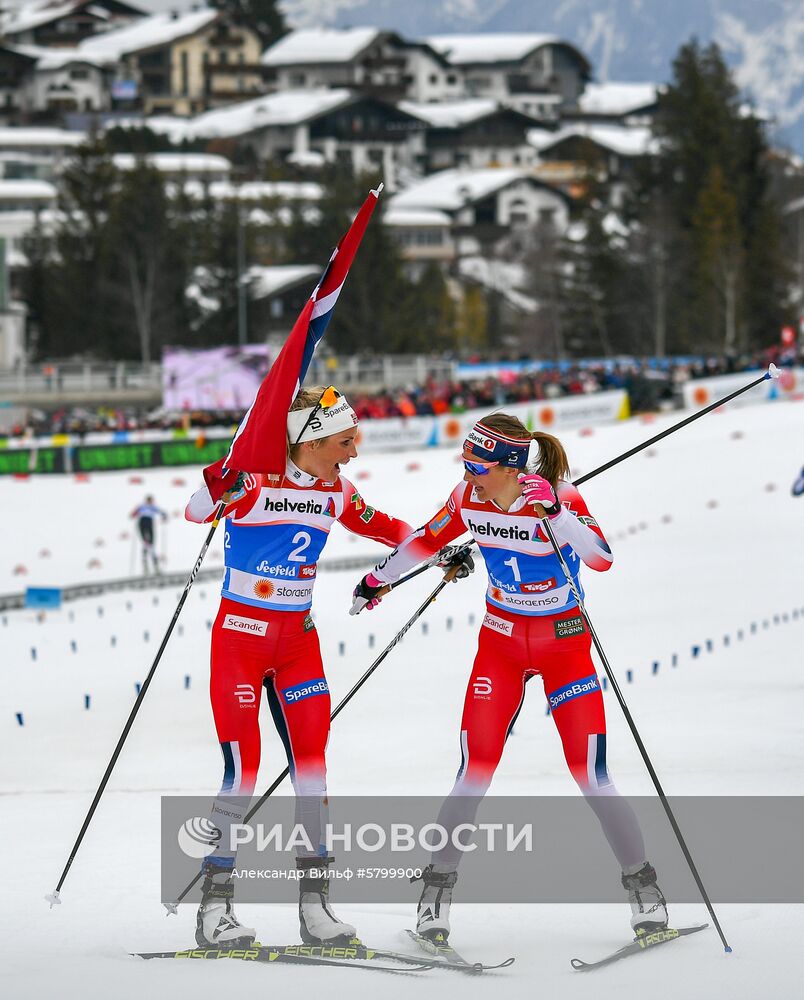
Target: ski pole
column 448, row 577
column 631, row 724
column 464, row 548
column 772, row 372
column 53, row 897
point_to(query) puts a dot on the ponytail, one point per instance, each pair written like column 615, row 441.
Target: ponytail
column 552, row 463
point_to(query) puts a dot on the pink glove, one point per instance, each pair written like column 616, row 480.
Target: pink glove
column 536, row 490
column 364, row 596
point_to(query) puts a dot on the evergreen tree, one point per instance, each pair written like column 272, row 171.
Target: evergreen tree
column 147, row 264
column 264, row 17
column 731, row 279
column 70, row 268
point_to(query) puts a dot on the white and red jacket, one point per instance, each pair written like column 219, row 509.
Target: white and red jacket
column 277, row 528
column 525, row 576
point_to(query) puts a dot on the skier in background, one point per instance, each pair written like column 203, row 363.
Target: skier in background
column 146, row 513
column 532, row 626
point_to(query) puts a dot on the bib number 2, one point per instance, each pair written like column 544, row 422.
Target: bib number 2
column 302, row 542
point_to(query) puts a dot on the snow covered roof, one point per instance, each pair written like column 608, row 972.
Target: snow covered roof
column 265, row 281
column 450, row 114
column 489, row 47
column 617, row 98
column 289, row 107
column 45, row 138
column 30, row 14
column 319, row 45
column 26, row 189
column 450, row 190
column 307, row 158
column 281, row 191
column 620, row 139
column 174, row 163
column 147, row 33
column 33, row 14
column 55, row 58
column 401, row 217
column 501, row 276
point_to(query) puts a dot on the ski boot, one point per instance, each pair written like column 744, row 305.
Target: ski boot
column 216, row 925
column 317, row 923
column 648, row 905
column 432, row 913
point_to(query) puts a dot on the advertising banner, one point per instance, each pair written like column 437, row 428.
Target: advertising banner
column 703, row 391
column 100, row 452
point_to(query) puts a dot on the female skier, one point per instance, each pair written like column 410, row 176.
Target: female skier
column 532, row 626
column 276, row 528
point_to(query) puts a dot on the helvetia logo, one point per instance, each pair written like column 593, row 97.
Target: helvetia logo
column 511, row 531
column 198, row 837
column 329, row 510
column 285, row 506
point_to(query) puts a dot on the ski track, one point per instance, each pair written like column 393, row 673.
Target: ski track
column 726, row 722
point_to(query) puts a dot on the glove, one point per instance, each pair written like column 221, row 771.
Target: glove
column 235, row 491
column 365, row 594
column 537, row 490
column 455, row 555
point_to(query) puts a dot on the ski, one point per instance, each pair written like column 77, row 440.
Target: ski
column 643, row 942
column 449, row 958
column 355, row 955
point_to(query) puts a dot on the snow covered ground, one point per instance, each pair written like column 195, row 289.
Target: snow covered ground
column 707, row 541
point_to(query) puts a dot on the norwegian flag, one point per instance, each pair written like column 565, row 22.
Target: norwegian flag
column 260, row 442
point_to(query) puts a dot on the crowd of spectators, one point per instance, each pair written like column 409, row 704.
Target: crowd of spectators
column 662, row 379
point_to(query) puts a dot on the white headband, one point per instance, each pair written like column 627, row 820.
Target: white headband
column 329, row 420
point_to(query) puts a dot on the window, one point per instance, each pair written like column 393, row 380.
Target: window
column 433, row 78
column 547, row 217
column 519, row 215
column 79, row 74
column 185, row 73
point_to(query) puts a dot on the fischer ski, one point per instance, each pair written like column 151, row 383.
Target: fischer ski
column 448, row 957
column 354, row 955
column 642, row 942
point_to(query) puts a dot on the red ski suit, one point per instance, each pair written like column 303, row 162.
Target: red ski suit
column 264, row 635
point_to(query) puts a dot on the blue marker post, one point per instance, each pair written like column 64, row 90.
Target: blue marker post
column 186, row 682
column 86, row 701
column 20, row 720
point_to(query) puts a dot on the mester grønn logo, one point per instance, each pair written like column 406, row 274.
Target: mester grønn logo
column 198, row 836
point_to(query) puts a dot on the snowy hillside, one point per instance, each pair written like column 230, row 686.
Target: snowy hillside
column 707, row 540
